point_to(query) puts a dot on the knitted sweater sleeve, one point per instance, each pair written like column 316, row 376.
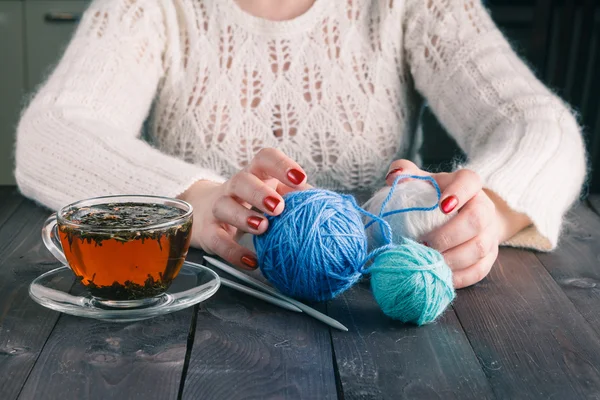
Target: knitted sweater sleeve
column 80, row 135
column 522, row 140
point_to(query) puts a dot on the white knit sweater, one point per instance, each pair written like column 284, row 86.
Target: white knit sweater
column 337, row 89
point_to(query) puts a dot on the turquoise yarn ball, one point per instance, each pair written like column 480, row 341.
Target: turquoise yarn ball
column 412, row 283
column 316, row 248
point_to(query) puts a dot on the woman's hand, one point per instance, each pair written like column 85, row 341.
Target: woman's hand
column 469, row 241
column 223, row 211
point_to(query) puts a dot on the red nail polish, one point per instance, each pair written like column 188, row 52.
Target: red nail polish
column 449, row 204
column 393, row 172
column 250, row 261
column 295, row 176
column 271, row 203
column 426, row 244
column 254, row 222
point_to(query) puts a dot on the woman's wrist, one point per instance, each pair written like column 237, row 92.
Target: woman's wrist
column 511, row 222
column 197, row 189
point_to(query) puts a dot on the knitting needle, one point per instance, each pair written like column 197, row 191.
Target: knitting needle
column 259, row 285
column 259, row 295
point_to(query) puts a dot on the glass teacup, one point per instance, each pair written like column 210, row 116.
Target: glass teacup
column 126, row 250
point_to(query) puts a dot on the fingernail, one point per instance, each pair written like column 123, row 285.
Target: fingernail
column 449, row 204
column 254, row 222
column 426, row 244
column 250, row 261
column 393, row 172
column 271, row 203
column 295, row 176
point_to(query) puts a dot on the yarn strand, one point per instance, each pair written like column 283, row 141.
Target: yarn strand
column 409, row 209
column 318, row 248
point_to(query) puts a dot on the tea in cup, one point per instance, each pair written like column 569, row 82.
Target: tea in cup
column 124, row 249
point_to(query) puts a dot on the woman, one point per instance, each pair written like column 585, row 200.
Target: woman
column 248, row 98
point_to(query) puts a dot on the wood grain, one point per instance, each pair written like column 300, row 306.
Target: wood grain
column 383, row 359
column 24, row 325
column 248, row 349
column 89, row 359
column 575, row 264
column 531, row 340
column 594, row 203
column 86, row 358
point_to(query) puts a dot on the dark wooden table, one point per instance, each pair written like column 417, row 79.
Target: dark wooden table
column 529, row 330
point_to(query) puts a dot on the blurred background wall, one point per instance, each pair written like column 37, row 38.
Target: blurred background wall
column 560, row 39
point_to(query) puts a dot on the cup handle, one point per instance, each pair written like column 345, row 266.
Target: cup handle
column 50, row 238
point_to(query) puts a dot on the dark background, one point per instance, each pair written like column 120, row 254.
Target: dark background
column 559, row 39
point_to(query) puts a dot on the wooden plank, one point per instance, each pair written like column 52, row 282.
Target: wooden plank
column 246, row 348
column 575, row 264
column 594, row 203
column 531, row 340
column 24, row 325
column 383, row 359
column 90, row 359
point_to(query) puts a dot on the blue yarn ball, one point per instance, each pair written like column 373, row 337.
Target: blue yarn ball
column 315, row 249
column 412, row 283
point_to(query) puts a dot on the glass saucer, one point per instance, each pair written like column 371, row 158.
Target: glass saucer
column 52, row 290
